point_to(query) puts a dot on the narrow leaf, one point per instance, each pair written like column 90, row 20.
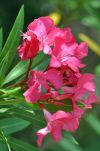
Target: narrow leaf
column 39, row 63
column 19, row 145
column 4, row 139
column 1, row 39
column 12, row 42
column 3, row 147
column 69, row 143
column 94, row 122
column 12, row 125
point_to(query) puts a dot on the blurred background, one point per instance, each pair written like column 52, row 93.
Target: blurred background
column 83, row 16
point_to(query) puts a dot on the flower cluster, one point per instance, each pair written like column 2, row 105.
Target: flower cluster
column 61, row 81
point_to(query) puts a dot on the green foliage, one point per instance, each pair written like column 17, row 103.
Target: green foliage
column 19, row 145
column 97, row 70
column 10, row 98
column 3, row 147
column 12, row 125
column 1, row 39
column 9, row 50
column 94, row 122
column 40, row 62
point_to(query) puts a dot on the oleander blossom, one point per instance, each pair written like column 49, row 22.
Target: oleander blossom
column 55, row 124
column 29, row 47
column 61, row 85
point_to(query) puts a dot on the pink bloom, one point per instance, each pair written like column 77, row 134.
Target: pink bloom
column 91, row 99
column 54, row 76
column 46, row 32
column 61, row 81
column 64, row 33
column 37, row 76
column 40, row 81
column 29, row 47
column 78, row 111
column 34, row 93
column 85, row 85
column 66, row 54
column 82, row 50
column 55, row 124
column 41, row 27
column 36, row 83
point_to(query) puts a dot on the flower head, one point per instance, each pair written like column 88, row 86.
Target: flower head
column 29, row 47
column 55, row 124
column 61, row 81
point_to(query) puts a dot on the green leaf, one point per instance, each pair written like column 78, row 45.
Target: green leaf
column 12, row 42
column 12, row 125
column 2, row 137
column 68, row 143
column 39, row 63
column 1, row 39
column 16, row 72
column 3, row 147
column 94, row 122
column 4, row 140
column 9, row 102
column 97, row 70
column 25, row 114
column 19, row 145
column 97, row 81
column 3, row 65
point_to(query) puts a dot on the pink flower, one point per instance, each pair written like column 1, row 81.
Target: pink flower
column 61, row 81
column 82, row 50
column 29, row 47
column 34, row 93
column 36, row 83
column 67, row 54
column 41, row 27
column 91, row 99
column 78, row 110
column 46, row 32
column 54, row 76
column 64, row 33
column 85, row 85
column 55, row 124
column 40, row 81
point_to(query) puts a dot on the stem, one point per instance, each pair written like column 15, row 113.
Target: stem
column 29, row 68
column 41, row 105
